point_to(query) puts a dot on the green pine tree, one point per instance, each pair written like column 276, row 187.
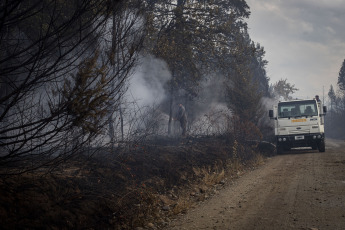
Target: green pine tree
column 341, row 77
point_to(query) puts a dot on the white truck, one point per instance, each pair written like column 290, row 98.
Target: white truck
column 299, row 123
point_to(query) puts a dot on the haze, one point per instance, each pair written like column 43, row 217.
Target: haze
column 304, row 41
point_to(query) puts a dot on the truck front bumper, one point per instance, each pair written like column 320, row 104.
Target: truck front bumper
column 300, row 140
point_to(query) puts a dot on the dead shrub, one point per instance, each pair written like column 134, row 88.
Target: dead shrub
column 210, row 175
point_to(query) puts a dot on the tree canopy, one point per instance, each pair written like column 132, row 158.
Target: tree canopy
column 341, row 77
column 284, row 89
column 205, row 39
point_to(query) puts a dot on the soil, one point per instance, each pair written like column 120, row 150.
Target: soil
column 302, row 189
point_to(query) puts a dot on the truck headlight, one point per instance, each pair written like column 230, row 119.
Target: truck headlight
column 284, row 139
column 319, row 136
column 279, row 139
column 314, row 137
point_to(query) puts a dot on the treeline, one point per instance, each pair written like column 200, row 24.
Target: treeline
column 335, row 119
column 65, row 66
column 208, row 39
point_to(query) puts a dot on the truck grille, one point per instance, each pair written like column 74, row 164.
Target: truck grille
column 299, row 131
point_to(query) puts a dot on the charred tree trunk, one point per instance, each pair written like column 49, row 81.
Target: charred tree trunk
column 121, row 120
column 112, row 62
column 171, row 103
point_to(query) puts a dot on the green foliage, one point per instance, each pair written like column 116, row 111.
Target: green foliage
column 341, row 77
column 191, row 35
column 335, row 119
column 258, row 68
column 242, row 94
column 331, row 94
column 243, row 97
column 207, row 39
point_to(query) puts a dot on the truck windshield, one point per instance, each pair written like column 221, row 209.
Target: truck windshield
column 297, row 109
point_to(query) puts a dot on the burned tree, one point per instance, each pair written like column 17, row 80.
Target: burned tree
column 54, row 79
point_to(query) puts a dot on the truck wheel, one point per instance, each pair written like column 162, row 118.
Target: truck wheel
column 322, row 146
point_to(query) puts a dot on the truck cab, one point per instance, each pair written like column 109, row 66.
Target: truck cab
column 299, row 123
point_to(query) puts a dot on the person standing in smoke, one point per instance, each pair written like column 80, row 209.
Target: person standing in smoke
column 182, row 118
column 317, row 98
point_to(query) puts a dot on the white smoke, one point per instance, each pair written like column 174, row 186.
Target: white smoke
column 269, row 102
column 146, row 86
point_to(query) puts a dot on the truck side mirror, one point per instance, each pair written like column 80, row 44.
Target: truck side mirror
column 324, row 109
column 270, row 113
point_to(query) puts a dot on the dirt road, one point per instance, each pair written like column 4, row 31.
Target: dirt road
column 303, row 189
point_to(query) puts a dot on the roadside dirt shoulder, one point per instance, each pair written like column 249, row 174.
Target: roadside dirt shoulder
column 300, row 190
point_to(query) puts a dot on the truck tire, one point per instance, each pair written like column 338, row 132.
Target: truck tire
column 322, row 146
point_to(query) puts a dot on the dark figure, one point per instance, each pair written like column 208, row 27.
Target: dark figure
column 317, row 98
column 182, row 118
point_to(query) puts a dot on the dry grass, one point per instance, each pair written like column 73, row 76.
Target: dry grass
column 182, row 205
column 105, row 194
column 258, row 160
column 210, row 175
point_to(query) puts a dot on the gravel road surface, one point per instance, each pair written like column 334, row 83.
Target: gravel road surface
column 302, row 189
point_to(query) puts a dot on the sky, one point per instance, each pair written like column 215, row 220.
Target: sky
column 304, row 41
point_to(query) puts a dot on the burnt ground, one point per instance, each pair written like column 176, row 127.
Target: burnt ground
column 142, row 186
